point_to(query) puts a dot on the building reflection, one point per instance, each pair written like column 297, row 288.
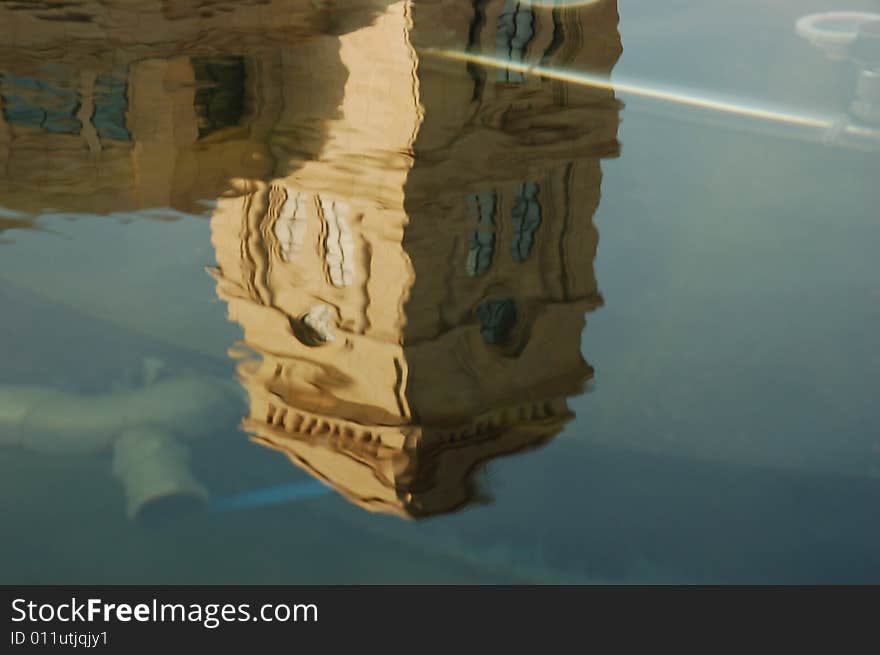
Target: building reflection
column 114, row 106
column 406, row 240
column 414, row 282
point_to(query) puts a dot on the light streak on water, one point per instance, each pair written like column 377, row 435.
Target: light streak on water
column 644, row 90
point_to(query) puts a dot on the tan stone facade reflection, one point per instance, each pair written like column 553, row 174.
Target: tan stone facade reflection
column 406, row 240
column 414, row 275
column 112, row 105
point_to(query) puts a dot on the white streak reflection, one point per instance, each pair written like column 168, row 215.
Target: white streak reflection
column 644, row 90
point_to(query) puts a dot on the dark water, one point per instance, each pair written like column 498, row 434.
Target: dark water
column 484, row 316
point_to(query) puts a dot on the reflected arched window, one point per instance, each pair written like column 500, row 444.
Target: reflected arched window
column 526, row 216
column 497, row 320
column 292, row 223
column 111, row 105
column 339, row 244
column 515, row 30
column 52, row 103
column 477, row 73
column 220, row 98
column 481, row 249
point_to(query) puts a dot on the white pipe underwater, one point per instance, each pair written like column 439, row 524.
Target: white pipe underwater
column 53, row 421
column 146, row 428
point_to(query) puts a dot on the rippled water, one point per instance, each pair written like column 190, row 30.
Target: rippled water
column 435, row 291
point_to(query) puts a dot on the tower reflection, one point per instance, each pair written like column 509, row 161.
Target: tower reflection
column 413, row 272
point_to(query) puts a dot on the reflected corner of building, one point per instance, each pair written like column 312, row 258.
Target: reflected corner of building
column 414, row 290
column 408, row 242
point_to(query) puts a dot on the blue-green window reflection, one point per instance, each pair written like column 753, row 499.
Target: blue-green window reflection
column 482, row 207
column 111, row 104
column 220, row 99
column 515, row 30
column 526, row 217
column 497, row 320
column 49, row 105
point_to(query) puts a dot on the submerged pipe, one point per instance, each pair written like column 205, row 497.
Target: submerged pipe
column 153, row 467
column 49, row 420
column 145, row 427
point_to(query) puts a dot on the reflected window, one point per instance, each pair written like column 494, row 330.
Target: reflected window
column 339, row 243
column 515, row 30
column 476, row 72
column 497, row 320
column 220, row 98
column 111, row 104
column 526, row 216
column 316, row 327
column 47, row 104
column 481, row 249
column 558, row 39
column 292, row 223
